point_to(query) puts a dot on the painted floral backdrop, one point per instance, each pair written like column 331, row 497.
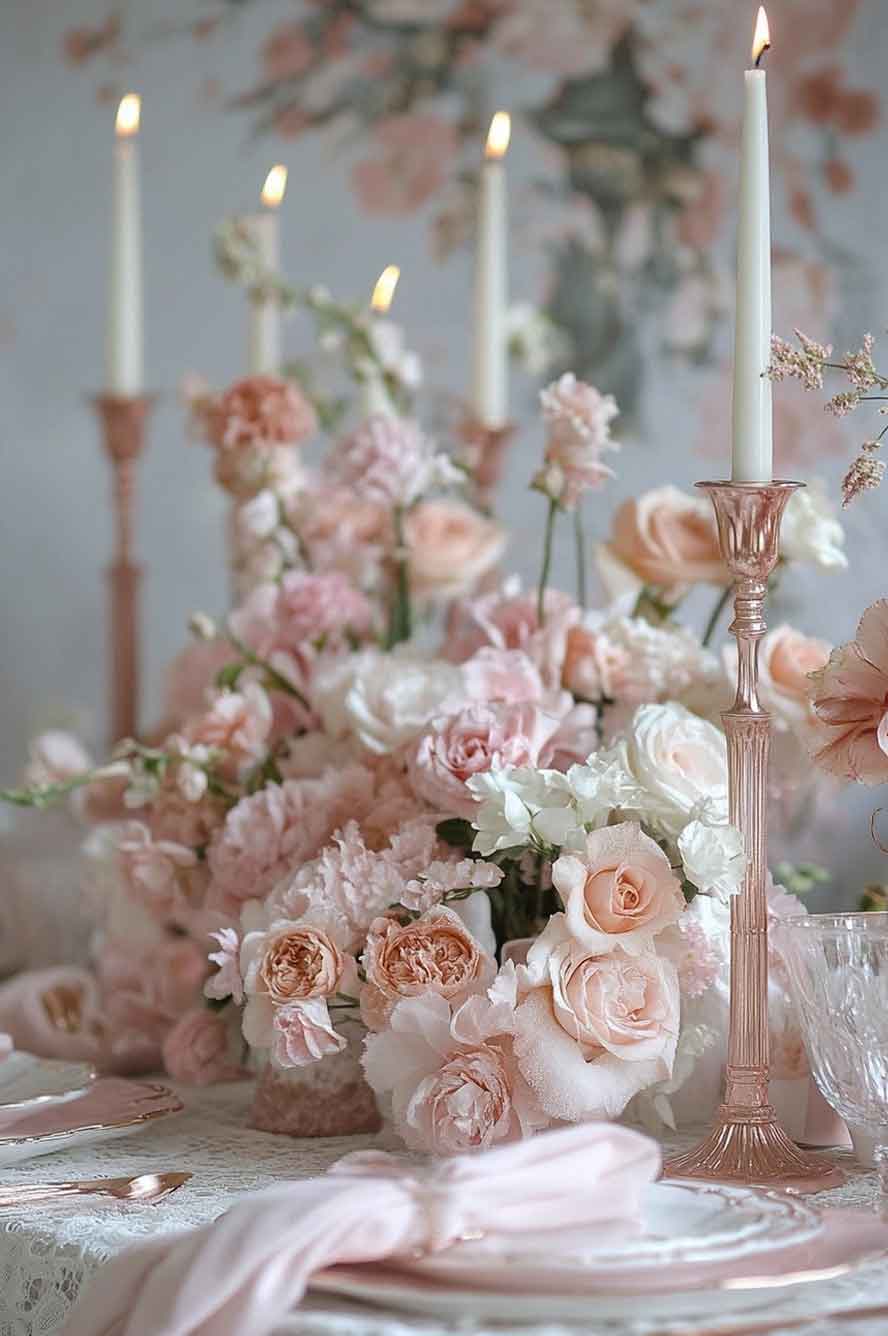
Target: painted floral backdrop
column 632, row 108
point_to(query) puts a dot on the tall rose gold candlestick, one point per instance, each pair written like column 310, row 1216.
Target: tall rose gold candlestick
column 123, row 419
column 747, row 1143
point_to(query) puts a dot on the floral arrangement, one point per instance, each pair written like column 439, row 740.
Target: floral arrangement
column 403, row 804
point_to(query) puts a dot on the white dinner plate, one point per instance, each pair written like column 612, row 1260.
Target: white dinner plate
column 111, row 1108
column 682, row 1223
column 27, row 1081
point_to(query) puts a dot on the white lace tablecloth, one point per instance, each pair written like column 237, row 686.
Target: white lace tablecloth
column 48, row 1253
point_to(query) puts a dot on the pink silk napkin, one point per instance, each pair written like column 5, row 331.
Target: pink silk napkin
column 244, row 1272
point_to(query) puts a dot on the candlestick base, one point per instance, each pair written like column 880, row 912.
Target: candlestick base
column 749, row 1146
column 485, row 455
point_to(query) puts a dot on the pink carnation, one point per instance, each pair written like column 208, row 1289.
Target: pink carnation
column 238, row 723
column 302, row 609
column 578, row 419
column 303, row 1033
column 270, row 833
column 259, row 410
column 387, row 461
column 197, row 1050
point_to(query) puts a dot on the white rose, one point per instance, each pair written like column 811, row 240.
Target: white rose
column 713, row 857
column 810, row 531
column 681, row 762
column 386, row 699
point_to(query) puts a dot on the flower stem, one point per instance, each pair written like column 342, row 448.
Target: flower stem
column 547, row 562
column 400, row 620
column 580, row 550
column 715, row 616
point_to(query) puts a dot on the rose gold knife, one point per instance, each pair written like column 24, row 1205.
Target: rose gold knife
column 140, row 1188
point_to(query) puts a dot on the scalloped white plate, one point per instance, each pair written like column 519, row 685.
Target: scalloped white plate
column 27, row 1081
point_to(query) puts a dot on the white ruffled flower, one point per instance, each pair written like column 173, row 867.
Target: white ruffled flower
column 519, row 805
column 810, row 531
column 713, row 857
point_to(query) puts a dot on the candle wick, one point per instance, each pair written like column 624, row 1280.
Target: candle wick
column 758, row 59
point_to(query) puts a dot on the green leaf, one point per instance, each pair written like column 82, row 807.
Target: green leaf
column 229, row 675
column 455, row 832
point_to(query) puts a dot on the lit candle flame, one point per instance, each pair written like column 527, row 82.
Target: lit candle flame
column 275, row 186
column 128, row 115
column 385, row 289
column 761, row 40
column 498, row 135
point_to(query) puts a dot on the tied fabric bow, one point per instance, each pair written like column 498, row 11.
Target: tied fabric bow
column 248, row 1269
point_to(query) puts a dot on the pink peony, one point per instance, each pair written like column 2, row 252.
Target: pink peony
column 850, row 702
column 387, row 461
column 303, row 1033
column 663, row 539
column 434, row 953
column 453, row 1078
column 450, row 547
column 578, row 420
column 619, row 892
column 415, row 153
column 259, row 411
column 197, row 1050
column 152, row 870
column 476, row 739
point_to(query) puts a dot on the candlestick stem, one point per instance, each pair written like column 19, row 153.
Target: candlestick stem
column 123, row 420
column 747, row 1143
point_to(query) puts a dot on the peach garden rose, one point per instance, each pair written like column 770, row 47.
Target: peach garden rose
column 619, row 891
column 435, row 953
column 664, row 539
column 449, row 546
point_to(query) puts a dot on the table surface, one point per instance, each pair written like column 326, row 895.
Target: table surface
column 48, row 1253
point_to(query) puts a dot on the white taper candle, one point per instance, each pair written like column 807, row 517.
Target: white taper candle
column 752, row 455
column 124, row 356
column 490, row 365
column 264, row 320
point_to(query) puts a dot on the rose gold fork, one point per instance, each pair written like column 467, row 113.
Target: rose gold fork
column 141, row 1188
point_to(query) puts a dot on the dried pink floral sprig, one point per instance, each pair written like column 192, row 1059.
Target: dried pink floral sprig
column 807, row 364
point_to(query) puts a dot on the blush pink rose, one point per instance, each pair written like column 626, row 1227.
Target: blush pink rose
column 450, row 547
column 620, row 891
column 471, row 742
column 596, row 1030
column 197, row 1050
column 503, row 675
column 435, row 953
column 454, row 1081
column 303, row 1033
column 850, row 702
column 664, row 539
column 787, row 658
column 259, row 410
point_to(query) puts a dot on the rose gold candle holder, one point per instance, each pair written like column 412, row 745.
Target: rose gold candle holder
column 123, row 419
column 485, row 455
column 747, row 1143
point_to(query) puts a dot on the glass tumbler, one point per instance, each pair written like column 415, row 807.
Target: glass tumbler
column 838, row 971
